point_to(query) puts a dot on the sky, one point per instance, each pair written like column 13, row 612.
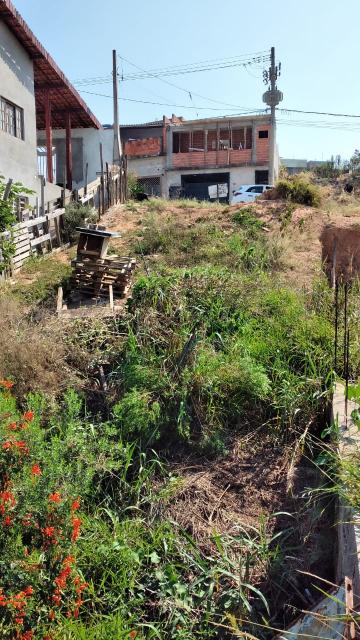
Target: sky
column 317, row 42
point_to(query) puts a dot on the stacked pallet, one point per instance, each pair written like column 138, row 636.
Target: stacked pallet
column 93, row 276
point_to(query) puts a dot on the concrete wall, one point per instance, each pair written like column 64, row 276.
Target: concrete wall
column 85, row 148
column 149, row 167
column 18, row 158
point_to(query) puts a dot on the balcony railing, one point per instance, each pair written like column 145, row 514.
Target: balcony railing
column 222, row 157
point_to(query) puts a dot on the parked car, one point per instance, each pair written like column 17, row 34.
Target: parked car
column 249, row 192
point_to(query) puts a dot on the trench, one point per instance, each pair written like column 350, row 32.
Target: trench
column 337, row 538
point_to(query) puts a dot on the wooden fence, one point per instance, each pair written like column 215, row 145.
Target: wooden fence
column 42, row 234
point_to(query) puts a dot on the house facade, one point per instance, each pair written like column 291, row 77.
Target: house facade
column 204, row 159
column 36, row 100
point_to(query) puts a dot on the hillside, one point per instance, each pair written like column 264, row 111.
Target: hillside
column 184, row 490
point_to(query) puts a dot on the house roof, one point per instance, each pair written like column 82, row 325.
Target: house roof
column 48, row 76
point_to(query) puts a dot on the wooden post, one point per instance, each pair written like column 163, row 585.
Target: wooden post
column 49, row 139
column 111, row 297
column 59, row 303
column 68, row 152
column 57, row 231
column 108, row 185
column 102, row 180
column 86, row 178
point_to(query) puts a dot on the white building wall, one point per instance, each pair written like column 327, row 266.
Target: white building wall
column 150, row 167
column 238, row 176
column 91, row 139
column 18, row 158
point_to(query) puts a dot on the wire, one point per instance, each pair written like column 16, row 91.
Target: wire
column 165, row 104
column 320, row 125
column 187, row 91
column 206, row 65
column 319, row 113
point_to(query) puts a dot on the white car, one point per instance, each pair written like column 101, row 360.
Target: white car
column 249, row 192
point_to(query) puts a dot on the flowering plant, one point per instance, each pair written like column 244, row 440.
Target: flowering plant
column 39, row 528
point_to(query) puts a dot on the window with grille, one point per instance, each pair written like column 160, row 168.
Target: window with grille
column 151, row 186
column 11, row 119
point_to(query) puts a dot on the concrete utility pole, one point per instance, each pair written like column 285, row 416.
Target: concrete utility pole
column 117, row 152
column 272, row 97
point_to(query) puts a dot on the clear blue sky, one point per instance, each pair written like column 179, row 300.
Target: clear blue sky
column 317, row 42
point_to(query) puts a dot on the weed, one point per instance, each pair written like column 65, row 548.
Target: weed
column 40, row 279
column 75, row 215
column 298, row 189
column 156, row 205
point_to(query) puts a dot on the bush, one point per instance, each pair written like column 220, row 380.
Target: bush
column 298, row 189
column 133, row 186
column 31, row 353
column 75, row 215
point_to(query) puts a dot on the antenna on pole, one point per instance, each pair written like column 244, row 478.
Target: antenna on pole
column 272, row 97
column 117, row 151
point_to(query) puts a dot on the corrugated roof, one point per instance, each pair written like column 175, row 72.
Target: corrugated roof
column 48, row 76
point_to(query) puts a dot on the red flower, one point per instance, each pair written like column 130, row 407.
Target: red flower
column 35, row 470
column 7, row 384
column 7, row 445
column 21, row 446
column 7, row 496
column 69, row 560
column 76, row 523
column 49, row 531
column 7, row 521
column 12, row 426
column 54, row 497
column 75, row 504
column 19, row 620
column 28, row 415
column 28, row 635
column 76, row 612
column 56, row 599
column 132, row 634
column 29, row 591
column 61, row 579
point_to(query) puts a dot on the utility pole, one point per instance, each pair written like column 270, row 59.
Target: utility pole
column 117, row 152
column 272, row 97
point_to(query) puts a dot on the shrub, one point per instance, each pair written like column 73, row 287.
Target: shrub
column 75, row 215
column 298, row 189
column 30, row 353
column 8, row 219
column 133, row 186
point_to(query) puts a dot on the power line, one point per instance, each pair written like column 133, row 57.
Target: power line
column 165, row 104
column 320, row 125
column 320, row 113
column 187, row 91
column 195, row 67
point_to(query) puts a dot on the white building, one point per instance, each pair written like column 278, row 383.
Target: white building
column 36, row 99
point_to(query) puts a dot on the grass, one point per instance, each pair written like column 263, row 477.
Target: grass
column 212, row 350
column 39, row 280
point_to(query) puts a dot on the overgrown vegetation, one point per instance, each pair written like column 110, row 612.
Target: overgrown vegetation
column 212, row 351
column 298, row 189
column 76, row 214
column 8, row 198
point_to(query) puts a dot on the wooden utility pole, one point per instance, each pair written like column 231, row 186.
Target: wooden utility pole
column 117, row 153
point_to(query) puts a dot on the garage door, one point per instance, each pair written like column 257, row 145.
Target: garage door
column 209, row 186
